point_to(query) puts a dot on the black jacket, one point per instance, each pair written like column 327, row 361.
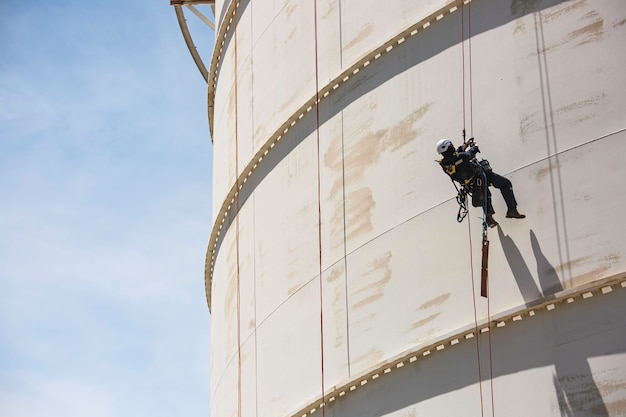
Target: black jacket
column 461, row 166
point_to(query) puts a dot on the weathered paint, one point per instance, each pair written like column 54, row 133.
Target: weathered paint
column 392, row 274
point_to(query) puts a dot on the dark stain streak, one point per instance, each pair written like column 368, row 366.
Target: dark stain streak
column 563, row 9
column 591, row 33
column 335, row 275
column 372, row 356
column 381, row 272
column 572, row 264
column 583, row 103
column 366, row 31
column 543, row 172
column 291, row 7
column 422, row 322
column 359, row 207
column 435, row 302
column 367, row 300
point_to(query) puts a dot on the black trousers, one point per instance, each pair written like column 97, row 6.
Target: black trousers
column 506, row 188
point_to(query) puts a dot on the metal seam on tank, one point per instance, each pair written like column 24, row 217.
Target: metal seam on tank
column 324, row 92
column 538, row 161
column 548, row 303
column 224, row 30
column 602, row 287
column 214, row 241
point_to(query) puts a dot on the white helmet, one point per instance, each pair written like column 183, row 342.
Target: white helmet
column 443, row 145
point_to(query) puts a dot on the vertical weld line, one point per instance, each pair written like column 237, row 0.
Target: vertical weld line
column 236, row 92
column 345, row 243
column 343, row 180
column 319, row 200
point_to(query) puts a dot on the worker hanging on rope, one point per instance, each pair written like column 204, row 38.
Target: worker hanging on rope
column 463, row 167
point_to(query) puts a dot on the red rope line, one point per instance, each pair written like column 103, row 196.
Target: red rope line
column 463, row 66
column 236, row 92
column 469, row 227
column 471, row 121
column 471, row 118
column 469, row 53
column 319, row 203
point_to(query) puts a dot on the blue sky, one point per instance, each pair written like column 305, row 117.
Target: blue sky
column 105, row 192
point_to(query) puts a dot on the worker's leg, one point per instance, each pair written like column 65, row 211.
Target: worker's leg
column 506, row 188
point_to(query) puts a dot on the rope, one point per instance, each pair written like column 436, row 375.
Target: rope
column 319, row 204
column 469, row 228
column 237, row 225
column 480, row 384
column 485, row 212
column 486, row 186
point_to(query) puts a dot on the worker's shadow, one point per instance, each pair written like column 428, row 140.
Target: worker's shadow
column 576, row 390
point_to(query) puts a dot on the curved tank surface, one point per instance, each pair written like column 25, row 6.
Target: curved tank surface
column 339, row 280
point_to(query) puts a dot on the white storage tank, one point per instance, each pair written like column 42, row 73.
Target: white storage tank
column 338, row 279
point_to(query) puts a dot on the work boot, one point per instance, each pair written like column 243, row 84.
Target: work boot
column 491, row 222
column 514, row 214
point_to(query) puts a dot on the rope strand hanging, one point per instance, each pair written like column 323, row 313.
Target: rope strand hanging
column 319, row 205
column 467, row 101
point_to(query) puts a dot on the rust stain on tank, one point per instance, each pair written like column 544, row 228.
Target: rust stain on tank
column 590, row 33
column 291, row 35
column 434, row 302
column 333, row 160
column 606, row 263
column 403, row 133
column 367, row 300
column 591, row 30
column 378, row 277
column 294, row 289
column 543, row 172
column 364, row 33
column 335, row 275
column 370, row 357
column 592, row 101
column 529, row 124
column 562, row 9
column 231, row 294
column 331, row 6
column 359, row 207
column 363, row 154
column 572, row 264
column 422, row 322
column 231, row 288
column 366, row 151
column 291, row 7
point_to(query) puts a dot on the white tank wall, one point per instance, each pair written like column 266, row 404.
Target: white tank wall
column 548, row 112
